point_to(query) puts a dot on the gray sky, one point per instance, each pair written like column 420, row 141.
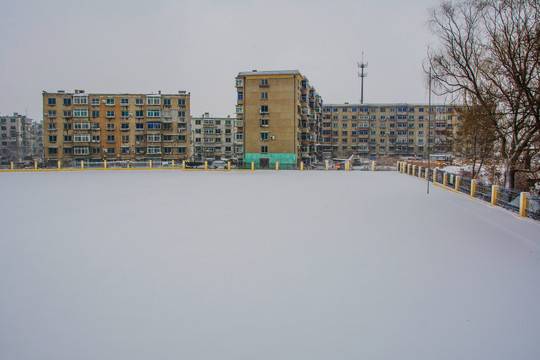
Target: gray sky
column 200, row 46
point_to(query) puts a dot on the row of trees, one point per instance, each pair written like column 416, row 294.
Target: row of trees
column 488, row 58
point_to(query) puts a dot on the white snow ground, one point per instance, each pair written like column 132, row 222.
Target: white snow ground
column 261, row 265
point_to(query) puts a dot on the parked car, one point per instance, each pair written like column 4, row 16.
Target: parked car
column 219, row 164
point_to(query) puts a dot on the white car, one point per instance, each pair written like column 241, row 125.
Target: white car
column 219, row 164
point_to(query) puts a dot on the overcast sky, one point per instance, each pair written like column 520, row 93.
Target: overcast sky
column 200, row 46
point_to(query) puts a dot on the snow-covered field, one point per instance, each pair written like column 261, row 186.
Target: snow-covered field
column 261, row 265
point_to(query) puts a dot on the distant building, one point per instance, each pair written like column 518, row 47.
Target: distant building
column 397, row 129
column 20, row 139
column 282, row 116
column 215, row 138
column 95, row 127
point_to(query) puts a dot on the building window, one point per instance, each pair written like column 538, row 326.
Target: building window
column 110, row 138
column 181, row 114
column 153, row 113
column 181, row 102
column 139, row 126
column 110, row 102
column 264, row 149
column 67, row 114
column 95, row 113
column 139, row 102
column 67, row 101
column 51, row 114
column 124, row 126
column 239, row 135
column 96, row 138
column 153, row 150
column 264, row 96
column 264, row 122
column 124, row 114
column 81, row 137
column 264, row 82
column 52, row 126
column 124, row 150
column 52, row 138
column 81, row 125
column 80, row 112
column 110, row 114
column 240, row 95
column 95, row 101
column 124, row 102
column 51, row 101
column 263, row 136
column 68, row 138
column 52, row 151
column 264, row 109
column 153, row 125
column 80, row 100
column 110, row 126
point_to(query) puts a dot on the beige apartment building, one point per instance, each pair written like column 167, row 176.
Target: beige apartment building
column 216, row 138
column 282, row 117
column 136, row 127
column 388, row 129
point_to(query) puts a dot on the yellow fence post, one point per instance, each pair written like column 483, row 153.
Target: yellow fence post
column 183, row 164
column 326, row 165
column 12, row 165
column 398, row 163
column 206, row 165
column 173, row 164
column 301, row 166
column 523, row 204
column 150, row 164
column 82, row 165
column 493, row 195
column 457, row 183
column 419, row 171
column 373, row 165
column 413, row 169
column 104, row 164
column 35, row 165
column 427, row 174
column 252, row 165
column 473, row 188
column 128, row 165
column 445, row 179
column 277, row 165
column 434, row 175
column 59, row 164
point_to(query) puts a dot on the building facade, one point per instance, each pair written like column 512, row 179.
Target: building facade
column 215, row 138
column 135, row 127
column 388, row 129
column 281, row 115
column 21, row 139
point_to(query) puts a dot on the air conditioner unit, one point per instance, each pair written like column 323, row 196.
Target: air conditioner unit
column 272, row 137
column 130, row 114
column 104, row 101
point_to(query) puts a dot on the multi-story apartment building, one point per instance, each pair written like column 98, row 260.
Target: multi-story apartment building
column 215, row 138
column 388, row 129
column 95, row 127
column 282, row 117
column 20, row 139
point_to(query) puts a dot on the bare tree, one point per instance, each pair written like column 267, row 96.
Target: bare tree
column 489, row 55
column 475, row 139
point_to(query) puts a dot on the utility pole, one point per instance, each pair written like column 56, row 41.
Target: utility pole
column 429, row 132
column 362, row 74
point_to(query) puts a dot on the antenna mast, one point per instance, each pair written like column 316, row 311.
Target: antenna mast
column 362, row 74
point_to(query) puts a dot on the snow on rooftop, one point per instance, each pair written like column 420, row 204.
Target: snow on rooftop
column 261, row 265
